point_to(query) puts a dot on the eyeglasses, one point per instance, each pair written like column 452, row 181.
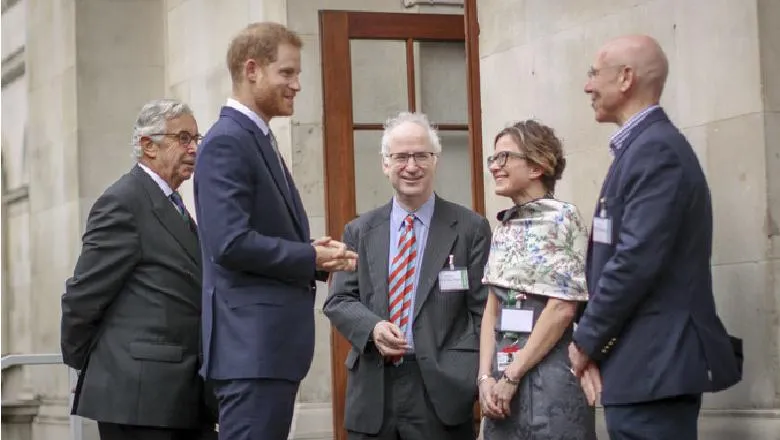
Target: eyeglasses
column 501, row 157
column 184, row 137
column 421, row 158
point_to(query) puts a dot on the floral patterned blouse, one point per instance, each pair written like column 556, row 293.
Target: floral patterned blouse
column 539, row 248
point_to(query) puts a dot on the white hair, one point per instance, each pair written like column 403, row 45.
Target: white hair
column 152, row 120
column 417, row 118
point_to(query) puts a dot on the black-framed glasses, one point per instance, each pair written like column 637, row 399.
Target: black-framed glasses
column 501, row 157
column 420, row 158
column 184, row 137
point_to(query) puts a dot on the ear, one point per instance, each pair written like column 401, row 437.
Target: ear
column 386, row 166
column 252, row 70
column 626, row 78
column 535, row 171
column 148, row 147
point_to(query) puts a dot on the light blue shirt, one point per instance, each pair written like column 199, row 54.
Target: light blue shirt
column 246, row 111
column 422, row 224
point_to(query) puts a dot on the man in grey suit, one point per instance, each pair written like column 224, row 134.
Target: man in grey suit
column 131, row 311
column 412, row 310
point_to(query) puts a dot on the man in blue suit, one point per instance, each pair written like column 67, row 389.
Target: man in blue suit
column 650, row 325
column 259, row 265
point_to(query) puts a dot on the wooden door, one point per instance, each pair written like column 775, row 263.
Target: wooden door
column 373, row 65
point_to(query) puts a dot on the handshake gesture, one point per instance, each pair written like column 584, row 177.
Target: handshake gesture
column 333, row 255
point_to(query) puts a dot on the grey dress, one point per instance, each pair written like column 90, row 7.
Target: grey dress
column 549, row 403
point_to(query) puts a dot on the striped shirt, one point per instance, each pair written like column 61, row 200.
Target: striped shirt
column 617, row 141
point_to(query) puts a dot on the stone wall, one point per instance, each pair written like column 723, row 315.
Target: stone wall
column 89, row 71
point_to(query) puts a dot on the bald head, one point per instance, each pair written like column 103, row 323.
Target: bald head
column 628, row 75
column 644, row 56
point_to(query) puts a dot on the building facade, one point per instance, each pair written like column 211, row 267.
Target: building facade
column 76, row 72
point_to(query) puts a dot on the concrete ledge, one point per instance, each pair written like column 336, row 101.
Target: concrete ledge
column 17, row 418
column 20, row 411
column 312, row 421
column 715, row 424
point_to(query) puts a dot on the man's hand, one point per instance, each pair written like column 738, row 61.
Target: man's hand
column 322, row 241
column 579, row 360
column 333, row 255
column 389, row 339
column 591, row 383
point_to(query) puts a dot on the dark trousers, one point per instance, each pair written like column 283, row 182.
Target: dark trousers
column 408, row 413
column 673, row 418
column 114, row 431
column 254, row 409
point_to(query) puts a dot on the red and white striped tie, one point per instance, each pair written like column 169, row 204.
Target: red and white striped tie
column 401, row 279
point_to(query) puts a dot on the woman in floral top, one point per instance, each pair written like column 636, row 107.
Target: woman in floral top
column 536, row 274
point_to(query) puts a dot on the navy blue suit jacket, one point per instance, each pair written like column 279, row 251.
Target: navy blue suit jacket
column 258, row 263
column 651, row 322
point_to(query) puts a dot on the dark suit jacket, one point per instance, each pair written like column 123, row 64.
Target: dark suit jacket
column 651, row 321
column 446, row 324
column 131, row 311
column 259, row 265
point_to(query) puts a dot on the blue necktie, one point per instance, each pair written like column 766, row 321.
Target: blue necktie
column 176, row 199
column 279, row 158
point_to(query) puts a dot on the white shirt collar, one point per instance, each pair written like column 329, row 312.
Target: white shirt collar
column 246, row 111
column 166, row 189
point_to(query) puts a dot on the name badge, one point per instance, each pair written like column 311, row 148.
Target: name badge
column 505, row 356
column 453, row 280
column 602, row 230
column 516, row 320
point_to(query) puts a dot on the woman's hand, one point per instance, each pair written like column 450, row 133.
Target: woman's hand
column 487, row 401
column 503, row 392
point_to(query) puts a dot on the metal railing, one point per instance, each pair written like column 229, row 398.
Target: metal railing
column 11, row 360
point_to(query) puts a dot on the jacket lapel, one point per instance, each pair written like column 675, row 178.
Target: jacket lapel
column 378, row 249
column 169, row 217
column 441, row 238
column 268, row 155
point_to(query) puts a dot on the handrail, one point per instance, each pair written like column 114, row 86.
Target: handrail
column 11, row 360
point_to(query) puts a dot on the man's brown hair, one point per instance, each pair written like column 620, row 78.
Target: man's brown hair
column 258, row 41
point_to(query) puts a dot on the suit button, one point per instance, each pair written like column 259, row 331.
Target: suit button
column 604, row 350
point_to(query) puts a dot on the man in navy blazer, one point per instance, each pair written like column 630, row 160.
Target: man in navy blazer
column 259, row 265
column 650, row 325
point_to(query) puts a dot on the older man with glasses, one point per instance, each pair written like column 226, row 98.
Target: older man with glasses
column 413, row 308
column 131, row 311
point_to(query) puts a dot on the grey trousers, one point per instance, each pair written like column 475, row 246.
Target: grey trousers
column 408, row 413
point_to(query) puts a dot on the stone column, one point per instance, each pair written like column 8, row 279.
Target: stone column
column 92, row 64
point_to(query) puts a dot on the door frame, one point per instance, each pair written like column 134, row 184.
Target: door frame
column 337, row 28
